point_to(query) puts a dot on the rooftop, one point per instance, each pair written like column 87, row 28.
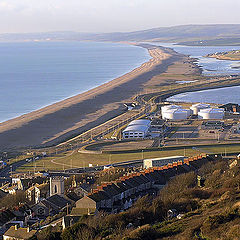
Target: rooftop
column 140, row 122
column 139, row 128
column 19, row 233
column 165, row 158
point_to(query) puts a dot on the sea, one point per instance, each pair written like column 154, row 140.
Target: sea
column 36, row 74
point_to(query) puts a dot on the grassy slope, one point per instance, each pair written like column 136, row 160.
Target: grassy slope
column 211, row 212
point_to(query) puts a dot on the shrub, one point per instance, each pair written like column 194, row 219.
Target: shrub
column 145, row 232
column 78, row 231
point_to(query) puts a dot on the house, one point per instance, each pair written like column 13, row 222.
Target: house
column 68, row 221
column 51, row 206
column 158, row 162
column 6, row 216
column 25, row 183
column 15, row 233
column 85, row 205
column 37, row 192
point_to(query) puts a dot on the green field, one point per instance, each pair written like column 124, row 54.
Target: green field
column 76, row 159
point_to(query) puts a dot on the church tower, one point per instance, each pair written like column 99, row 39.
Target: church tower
column 56, row 185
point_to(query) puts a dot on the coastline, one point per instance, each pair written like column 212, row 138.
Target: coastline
column 55, row 122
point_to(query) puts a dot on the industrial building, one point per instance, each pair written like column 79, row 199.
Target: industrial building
column 158, row 162
column 198, row 106
column 212, row 125
column 137, row 129
column 211, row 113
column 174, row 112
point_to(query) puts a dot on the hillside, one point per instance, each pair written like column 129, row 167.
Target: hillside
column 186, row 34
column 211, row 211
column 175, row 33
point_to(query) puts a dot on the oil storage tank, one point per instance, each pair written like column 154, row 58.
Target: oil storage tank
column 211, row 113
column 168, row 107
column 176, row 114
column 198, row 106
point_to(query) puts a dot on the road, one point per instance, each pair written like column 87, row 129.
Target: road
column 5, row 172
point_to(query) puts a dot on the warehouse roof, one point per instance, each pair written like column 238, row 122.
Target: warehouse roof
column 140, row 122
column 136, row 128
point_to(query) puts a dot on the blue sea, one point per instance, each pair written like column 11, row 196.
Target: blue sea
column 36, row 74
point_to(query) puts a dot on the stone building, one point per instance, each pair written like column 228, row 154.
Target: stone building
column 56, row 185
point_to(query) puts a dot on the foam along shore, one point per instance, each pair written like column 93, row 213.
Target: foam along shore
column 76, row 114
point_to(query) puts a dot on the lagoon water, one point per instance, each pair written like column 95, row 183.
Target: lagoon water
column 210, row 66
column 220, row 96
column 36, row 74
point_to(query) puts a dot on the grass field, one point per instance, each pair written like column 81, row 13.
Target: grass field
column 75, row 159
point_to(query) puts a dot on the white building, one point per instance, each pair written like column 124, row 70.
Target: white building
column 137, row 129
column 197, row 107
column 211, row 113
column 158, row 162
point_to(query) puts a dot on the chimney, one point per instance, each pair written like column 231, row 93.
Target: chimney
column 16, row 227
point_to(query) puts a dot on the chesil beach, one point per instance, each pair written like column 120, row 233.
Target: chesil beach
column 76, row 114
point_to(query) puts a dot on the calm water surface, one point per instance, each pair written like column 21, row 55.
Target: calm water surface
column 210, row 66
column 220, row 96
column 36, row 74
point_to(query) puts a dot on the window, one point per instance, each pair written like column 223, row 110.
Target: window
column 40, row 211
column 55, row 189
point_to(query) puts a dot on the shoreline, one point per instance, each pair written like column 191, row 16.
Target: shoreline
column 203, row 89
column 58, row 120
column 75, row 93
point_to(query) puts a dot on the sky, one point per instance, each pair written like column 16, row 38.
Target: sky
column 18, row 16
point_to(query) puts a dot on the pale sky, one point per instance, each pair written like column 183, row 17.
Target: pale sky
column 112, row 15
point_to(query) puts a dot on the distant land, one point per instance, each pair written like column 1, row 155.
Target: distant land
column 193, row 35
column 231, row 55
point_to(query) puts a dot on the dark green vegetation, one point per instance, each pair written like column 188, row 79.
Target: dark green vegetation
column 209, row 212
column 183, row 33
column 213, row 42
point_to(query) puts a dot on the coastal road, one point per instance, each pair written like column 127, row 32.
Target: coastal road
column 5, row 172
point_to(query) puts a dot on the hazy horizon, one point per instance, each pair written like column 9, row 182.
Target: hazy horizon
column 29, row 16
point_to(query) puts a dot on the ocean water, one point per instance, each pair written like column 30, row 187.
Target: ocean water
column 220, row 96
column 36, row 74
column 210, row 66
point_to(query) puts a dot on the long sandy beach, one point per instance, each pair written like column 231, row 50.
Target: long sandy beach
column 74, row 115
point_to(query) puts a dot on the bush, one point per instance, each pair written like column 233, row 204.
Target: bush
column 145, row 232
column 79, row 231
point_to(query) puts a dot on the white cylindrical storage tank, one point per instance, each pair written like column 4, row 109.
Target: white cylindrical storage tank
column 197, row 107
column 211, row 113
column 181, row 114
column 168, row 114
column 166, row 108
column 176, row 114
